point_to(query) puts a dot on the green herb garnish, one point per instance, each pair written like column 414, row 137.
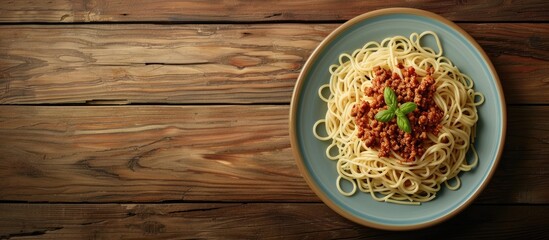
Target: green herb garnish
column 392, row 110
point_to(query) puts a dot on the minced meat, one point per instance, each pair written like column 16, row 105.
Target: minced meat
column 386, row 136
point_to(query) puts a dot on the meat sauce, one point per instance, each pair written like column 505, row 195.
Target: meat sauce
column 386, row 136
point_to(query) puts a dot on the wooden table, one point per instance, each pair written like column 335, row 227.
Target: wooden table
column 169, row 119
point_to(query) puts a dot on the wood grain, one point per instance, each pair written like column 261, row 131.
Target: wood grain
column 189, row 64
column 249, row 221
column 148, row 154
column 154, row 63
column 257, row 11
column 202, row 153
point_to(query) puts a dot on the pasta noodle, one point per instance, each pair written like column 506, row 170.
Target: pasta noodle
column 392, row 179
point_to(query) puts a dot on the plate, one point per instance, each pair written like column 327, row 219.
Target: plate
column 306, row 108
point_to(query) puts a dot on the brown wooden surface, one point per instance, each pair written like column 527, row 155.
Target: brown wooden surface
column 198, row 144
column 257, row 10
column 249, row 221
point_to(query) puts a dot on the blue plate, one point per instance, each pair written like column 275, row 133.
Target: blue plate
column 306, row 108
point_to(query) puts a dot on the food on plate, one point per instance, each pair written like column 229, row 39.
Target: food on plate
column 401, row 119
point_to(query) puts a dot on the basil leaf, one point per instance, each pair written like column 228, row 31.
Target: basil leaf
column 385, row 116
column 404, row 124
column 408, row 107
column 399, row 113
column 390, row 97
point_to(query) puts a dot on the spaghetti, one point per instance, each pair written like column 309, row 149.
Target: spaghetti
column 388, row 176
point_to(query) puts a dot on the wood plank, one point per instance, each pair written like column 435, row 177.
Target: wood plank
column 153, row 63
column 202, row 153
column 249, row 221
column 148, row 154
column 259, row 63
column 270, row 10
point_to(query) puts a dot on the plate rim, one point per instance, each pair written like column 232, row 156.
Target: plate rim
column 298, row 156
